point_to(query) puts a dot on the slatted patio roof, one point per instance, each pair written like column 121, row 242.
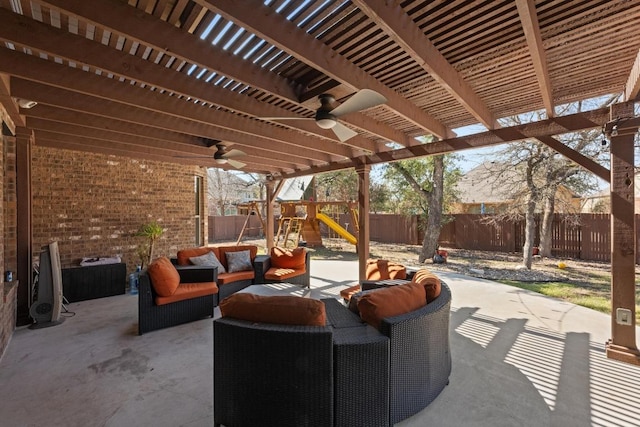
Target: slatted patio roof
column 165, row 79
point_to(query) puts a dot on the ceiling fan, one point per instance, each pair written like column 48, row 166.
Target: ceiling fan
column 222, row 156
column 327, row 117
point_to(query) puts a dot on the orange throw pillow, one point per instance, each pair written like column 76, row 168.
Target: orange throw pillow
column 288, row 258
column 283, row 310
column 391, row 301
column 164, row 277
column 430, row 281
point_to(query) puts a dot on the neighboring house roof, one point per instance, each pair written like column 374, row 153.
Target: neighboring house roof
column 293, row 188
column 492, row 182
column 479, row 185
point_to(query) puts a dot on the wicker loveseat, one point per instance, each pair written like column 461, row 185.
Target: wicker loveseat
column 345, row 373
column 228, row 282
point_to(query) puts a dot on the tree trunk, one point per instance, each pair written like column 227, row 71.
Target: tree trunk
column 529, row 230
column 546, row 230
column 434, row 218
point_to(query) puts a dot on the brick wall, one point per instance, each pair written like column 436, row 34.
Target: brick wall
column 93, row 204
column 7, row 300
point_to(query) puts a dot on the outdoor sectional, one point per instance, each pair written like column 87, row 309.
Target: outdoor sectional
column 345, row 373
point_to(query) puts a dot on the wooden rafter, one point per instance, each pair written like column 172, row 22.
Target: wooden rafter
column 531, row 27
column 395, row 22
column 632, row 88
column 285, row 35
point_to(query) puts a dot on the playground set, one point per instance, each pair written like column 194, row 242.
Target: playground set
column 300, row 221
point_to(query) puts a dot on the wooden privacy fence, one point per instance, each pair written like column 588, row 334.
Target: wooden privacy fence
column 589, row 239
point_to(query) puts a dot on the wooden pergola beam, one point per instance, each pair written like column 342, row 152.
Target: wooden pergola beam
column 544, row 128
column 531, row 27
column 399, row 26
column 632, row 88
column 176, row 42
column 280, row 32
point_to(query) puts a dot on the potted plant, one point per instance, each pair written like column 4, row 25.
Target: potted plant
column 152, row 231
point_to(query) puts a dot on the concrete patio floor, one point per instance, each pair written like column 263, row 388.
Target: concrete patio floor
column 519, row 359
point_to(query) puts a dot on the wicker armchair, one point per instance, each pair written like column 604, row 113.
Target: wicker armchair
column 152, row 316
column 262, row 264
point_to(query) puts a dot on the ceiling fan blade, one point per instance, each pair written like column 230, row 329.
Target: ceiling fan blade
column 363, row 99
column 194, row 157
column 233, row 153
column 286, row 118
column 342, row 132
column 236, row 164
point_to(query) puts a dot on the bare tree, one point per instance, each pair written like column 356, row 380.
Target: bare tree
column 428, row 181
column 537, row 172
column 226, row 188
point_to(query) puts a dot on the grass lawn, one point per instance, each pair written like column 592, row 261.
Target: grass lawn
column 594, row 293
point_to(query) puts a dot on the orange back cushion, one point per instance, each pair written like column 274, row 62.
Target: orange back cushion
column 283, row 310
column 185, row 254
column 164, row 276
column 288, row 258
column 381, row 269
column 430, row 281
column 392, row 301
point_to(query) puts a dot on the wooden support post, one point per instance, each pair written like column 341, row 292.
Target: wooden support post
column 268, row 221
column 363, row 219
column 622, row 345
column 24, row 235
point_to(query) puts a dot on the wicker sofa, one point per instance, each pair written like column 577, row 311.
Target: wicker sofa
column 346, row 373
column 228, row 283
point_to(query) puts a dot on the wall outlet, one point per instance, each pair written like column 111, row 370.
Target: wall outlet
column 623, row 316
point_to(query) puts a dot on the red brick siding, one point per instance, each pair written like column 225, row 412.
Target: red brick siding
column 8, row 296
column 93, row 204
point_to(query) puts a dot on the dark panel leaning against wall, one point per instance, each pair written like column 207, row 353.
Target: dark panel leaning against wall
column 93, row 204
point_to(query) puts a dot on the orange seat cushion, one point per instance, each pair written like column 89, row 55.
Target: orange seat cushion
column 430, row 281
column 392, row 301
column 283, row 310
column 282, row 274
column 225, row 278
column 288, row 258
column 184, row 254
column 346, row 293
column 164, row 276
column 382, row 269
column 189, row 290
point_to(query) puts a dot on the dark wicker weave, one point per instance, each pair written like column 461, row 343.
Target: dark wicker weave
column 262, row 263
column 152, row 316
column 272, row 375
column 420, row 356
column 361, row 369
column 232, row 287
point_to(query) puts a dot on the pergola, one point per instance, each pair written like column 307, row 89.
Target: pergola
column 167, row 79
